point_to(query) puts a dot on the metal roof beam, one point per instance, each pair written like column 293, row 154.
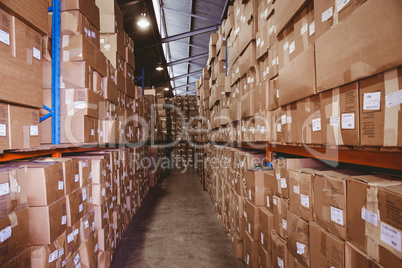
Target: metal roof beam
column 191, row 15
column 187, row 59
column 189, row 34
column 185, row 85
column 185, row 75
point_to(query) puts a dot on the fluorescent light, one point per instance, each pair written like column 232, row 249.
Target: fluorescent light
column 143, row 22
column 159, row 68
column 166, row 89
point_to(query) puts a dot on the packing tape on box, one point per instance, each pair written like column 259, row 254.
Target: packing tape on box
column 304, row 32
column 336, row 113
column 13, row 219
column 29, row 56
column 14, row 187
column 391, row 113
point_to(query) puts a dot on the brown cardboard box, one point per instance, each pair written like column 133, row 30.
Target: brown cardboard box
column 78, row 74
column 14, row 230
column 44, row 182
column 51, row 255
column 279, row 251
column 47, row 223
column 111, row 17
column 23, row 129
column 75, row 207
column 273, row 94
column 297, row 79
column 87, row 8
column 304, row 26
column 293, row 262
column 87, row 225
column 238, row 247
column 309, row 121
column 99, row 193
column 247, row 105
column 289, row 123
column 84, row 168
column 250, row 252
column 273, row 60
column 325, row 248
column 130, row 86
column 375, row 52
column 73, row 22
column 270, row 186
column 266, row 224
column 24, row 64
column 111, row 91
column 110, row 44
column 89, row 251
column 252, row 220
column 380, row 116
column 73, row 239
column 4, row 125
column 103, row 239
column 340, row 115
column 301, row 192
column 282, row 167
column 330, row 209
column 14, row 190
column 357, row 258
column 101, row 216
column 23, row 258
column 281, row 208
column 264, row 257
column 285, row 11
column 255, row 186
column 248, row 59
column 298, row 238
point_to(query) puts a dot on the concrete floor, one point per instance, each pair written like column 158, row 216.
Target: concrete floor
column 176, row 227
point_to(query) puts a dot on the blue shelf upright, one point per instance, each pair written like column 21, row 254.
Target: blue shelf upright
column 142, row 78
column 54, row 112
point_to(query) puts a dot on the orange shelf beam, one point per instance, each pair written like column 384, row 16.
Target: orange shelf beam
column 388, row 160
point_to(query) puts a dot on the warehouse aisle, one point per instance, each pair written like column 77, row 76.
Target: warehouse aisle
column 176, row 227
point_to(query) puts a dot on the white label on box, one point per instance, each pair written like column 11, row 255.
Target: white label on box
column 53, row 256
column 262, row 43
column 249, row 194
column 248, row 259
column 283, row 183
column 4, row 37
column 76, row 177
column 304, row 29
column 391, row 236
column 70, row 238
column 249, row 228
column 337, row 215
column 61, row 252
column 258, row 42
column 4, row 188
column 103, row 191
column 280, row 263
column 292, row 47
column 369, row 216
column 90, row 175
column 34, row 130
column 63, row 220
column 76, row 232
column 274, row 200
column 305, row 201
column 262, row 239
column 285, row 46
column 61, row 185
column 76, row 258
column 96, row 247
column 277, row 93
column 84, row 164
column 78, row 265
column 340, row 4
column 311, row 28
column 262, row 130
column 106, row 47
column 279, row 127
column 93, row 34
column 283, row 119
column 327, row 14
column 300, row 248
column 5, row 234
column 394, row 98
column 348, row 121
column 316, row 124
column 80, row 208
column 92, row 132
column 3, row 130
column 334, row 121
column 36, row 53
column 273, row 62
column 278, row 176
column 372, row 101
column 86, row 224
column 289, row 119
column 284, row 224
column 80, row 105
column 296, row 189
column 245, row 214
column 268, row 205
column 102, row 41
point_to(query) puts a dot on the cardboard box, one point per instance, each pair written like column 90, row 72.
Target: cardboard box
column 112, row 24
column 89, row 251
column 48, row 222
column 130, row 86
column 380, row 118
column 111, row 91
column 325, row 248
column 297, row 79
column 101, row 216
column 355, row 257
column 73, row 22
column 266, row 223
column 20, row 259
column 51, row 255
column 255, row 186
column 279, row 251
column 270, row 186
column 87, row 8
column 4, row 125
column 23, row 129
column 340, row 115
column 14, row 196
column 75, row 207
column 110, row 44
column 87, row 225
column 45, row 182
column 375, row 52
column 298, row 238
column 273, row 94
column 309, row 121
column 33, row 14
column 252, row 220
column 285, row 11
column 247, row 105
column 304, row 26
column 15, row 231
column 281, row 208
column 85, row 168
column 293, row 262
column 301, row 192
column 103, row 239
column 250, row 251
column 73, row 239
column 264, row 257
column 21, row 52
column 330, row 209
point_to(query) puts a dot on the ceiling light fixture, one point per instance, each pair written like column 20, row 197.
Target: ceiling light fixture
column 143, row 21
column 166, row 89
column 159, row 68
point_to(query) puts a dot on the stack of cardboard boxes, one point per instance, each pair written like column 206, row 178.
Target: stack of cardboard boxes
column 309, row 72
column 65, row 211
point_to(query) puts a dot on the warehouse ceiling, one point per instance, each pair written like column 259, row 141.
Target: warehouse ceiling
column 177, row 39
